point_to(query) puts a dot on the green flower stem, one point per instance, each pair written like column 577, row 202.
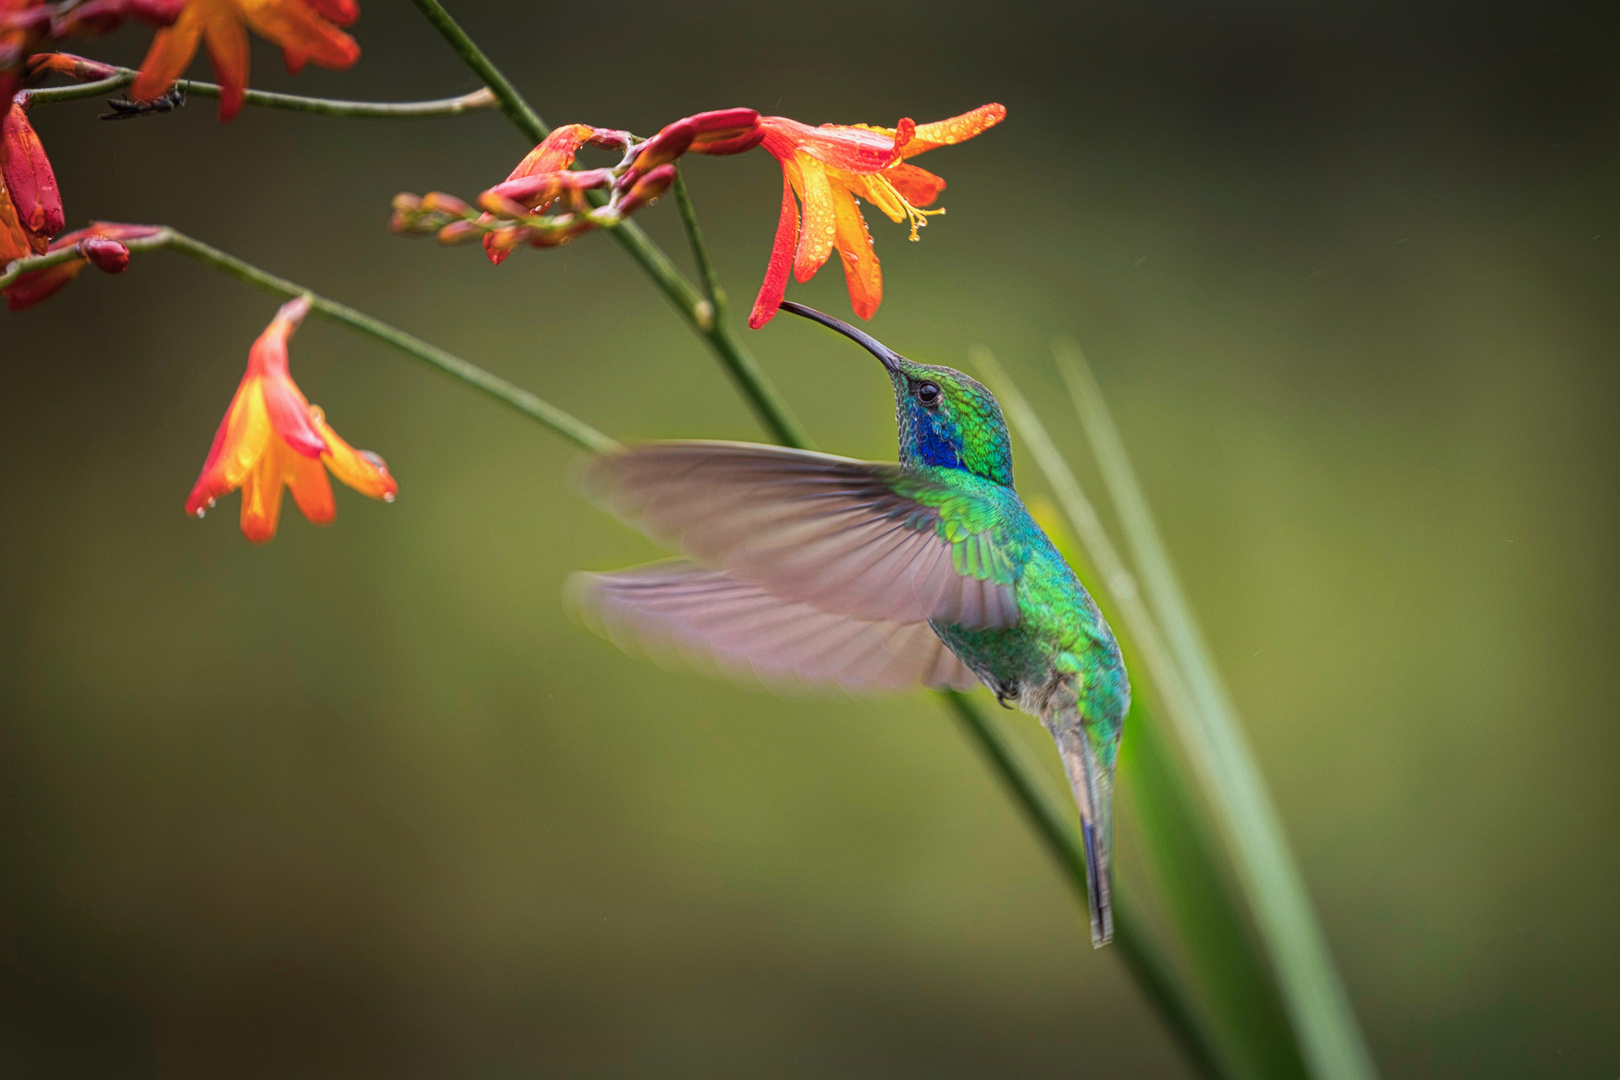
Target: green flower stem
column 376, row 110
column 1134, row 945
column 569, row 427
column 512, row 103
column 701, row 315
column 700, row 249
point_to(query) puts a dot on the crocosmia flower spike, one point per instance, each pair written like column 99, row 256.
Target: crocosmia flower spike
column 828, row 168
column 306, row 30
column 272, row 437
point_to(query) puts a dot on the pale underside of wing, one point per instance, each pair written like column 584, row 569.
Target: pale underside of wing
column 824, row 531
column 677, row 609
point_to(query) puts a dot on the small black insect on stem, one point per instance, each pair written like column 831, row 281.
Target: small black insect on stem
column 125, row 109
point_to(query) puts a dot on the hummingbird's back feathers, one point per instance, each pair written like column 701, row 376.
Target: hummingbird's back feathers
column 678, row 609
column 867, row 540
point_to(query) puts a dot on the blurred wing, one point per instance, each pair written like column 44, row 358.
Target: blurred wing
column 848, row 537
column 678, row 607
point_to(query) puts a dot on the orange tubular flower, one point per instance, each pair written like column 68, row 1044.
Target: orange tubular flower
column 828, row 168
column 306, row 30
column 272, row 437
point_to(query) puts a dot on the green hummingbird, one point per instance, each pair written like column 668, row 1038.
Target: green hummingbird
column 868, row 575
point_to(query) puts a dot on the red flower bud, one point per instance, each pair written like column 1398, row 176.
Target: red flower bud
column 647, row 189
column 609, row 139
column 726, row 131
column 28, row 176
column 501, row 205
column 666, row 146
column 459, row 232
column 74, row 67
column 104, row 254
column 98, row 244
column 439, row 202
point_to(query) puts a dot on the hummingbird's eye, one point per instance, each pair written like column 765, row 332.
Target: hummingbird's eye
column 928, row 394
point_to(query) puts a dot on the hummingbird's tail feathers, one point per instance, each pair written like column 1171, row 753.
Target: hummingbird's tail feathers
column 708, row 618
column 1094, row 794
column 855, row 538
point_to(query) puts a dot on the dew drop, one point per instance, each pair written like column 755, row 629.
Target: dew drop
column 388, row 497
column 210, row 502
column 202, row 511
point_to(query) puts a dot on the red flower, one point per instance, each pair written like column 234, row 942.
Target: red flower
column 30, row 204
column 100, row 244
column 306, row 30
column 828, row 168
column 271, row 437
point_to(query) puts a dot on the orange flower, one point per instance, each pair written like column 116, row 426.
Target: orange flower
column 101, row 244
column 828, row 168
column 306, row 30
column 272, row 437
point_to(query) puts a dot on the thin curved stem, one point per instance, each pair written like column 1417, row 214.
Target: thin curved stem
column 700, row 249
column 569, row 427
column 512, row 103
column 375, row 110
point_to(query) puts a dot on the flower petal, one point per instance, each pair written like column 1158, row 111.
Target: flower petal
column 303, row 34
column 311, row 490
column 28, row 175
column 820, row 224
column 776, row 272
column 227, row 43
column 919, row 187
column 956, row 129
column 15, row 242
column 261, row 495
column 862, row 273
column 169, row 55
column 360, row 469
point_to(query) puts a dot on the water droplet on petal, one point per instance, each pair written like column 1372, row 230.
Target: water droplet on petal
column 388, row 496
column 202, row 511
column 210, row 502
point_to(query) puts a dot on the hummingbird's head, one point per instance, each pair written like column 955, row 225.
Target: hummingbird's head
column 945, row 417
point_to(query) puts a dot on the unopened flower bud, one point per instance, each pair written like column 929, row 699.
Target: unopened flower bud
column 104, row 254
column 647, row 189
column 74, row 67
column 502, row 206
column 665, row 146
column 726, row 131
column 459, row 232
column 437, row 202
column 609, row 139
column 27, row 173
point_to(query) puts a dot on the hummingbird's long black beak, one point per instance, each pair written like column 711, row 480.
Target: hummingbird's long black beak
column 888, row 356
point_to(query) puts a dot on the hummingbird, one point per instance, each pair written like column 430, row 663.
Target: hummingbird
column 825, row 570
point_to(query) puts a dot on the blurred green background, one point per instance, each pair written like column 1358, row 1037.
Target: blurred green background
column 366, row 802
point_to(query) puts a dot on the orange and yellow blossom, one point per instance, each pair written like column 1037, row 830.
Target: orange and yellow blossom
column 306, row 30
column 827, row 168
column 272, row 437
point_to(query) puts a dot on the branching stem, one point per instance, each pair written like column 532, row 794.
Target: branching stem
column 375, row 110
column 569, row 427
